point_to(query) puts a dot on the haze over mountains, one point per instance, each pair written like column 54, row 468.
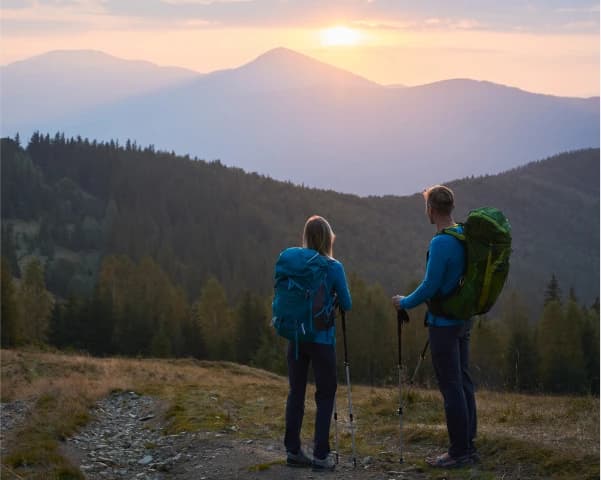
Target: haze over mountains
column 294, row 118
column 49, row 87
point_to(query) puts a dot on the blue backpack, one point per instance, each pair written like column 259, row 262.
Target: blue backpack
column 302, row 304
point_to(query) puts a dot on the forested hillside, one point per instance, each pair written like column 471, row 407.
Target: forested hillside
column 145, row 249
column 73, row 201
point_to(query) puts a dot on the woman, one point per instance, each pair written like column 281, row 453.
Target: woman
column 317, row 236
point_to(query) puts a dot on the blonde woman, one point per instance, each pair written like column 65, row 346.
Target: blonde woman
column 318, row 242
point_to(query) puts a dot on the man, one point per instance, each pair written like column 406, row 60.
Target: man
column 449, row 337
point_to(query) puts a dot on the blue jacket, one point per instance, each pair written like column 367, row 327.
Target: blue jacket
column 336, row 282
column 444, row 268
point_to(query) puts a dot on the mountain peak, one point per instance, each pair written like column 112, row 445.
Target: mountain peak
column 281, row 53
column 283, row 57
column 293, row 69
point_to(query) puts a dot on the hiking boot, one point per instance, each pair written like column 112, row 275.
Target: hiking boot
column 299, row 459
column 324, row 464
column 446, row 461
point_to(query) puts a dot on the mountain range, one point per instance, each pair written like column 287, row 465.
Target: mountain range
column 294, row 118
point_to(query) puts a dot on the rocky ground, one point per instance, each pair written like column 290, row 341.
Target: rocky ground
column 11, row 415
column 126, row 440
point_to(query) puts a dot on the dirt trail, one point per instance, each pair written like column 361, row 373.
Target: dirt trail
column 126, row 441
column 238, row 459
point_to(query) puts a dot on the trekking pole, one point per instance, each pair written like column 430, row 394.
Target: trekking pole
column 336, row 400
column 336, row 429
column 401, row 318
column 419, row 362
column 348, row 384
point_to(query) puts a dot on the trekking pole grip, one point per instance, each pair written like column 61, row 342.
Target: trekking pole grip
column 402, row 316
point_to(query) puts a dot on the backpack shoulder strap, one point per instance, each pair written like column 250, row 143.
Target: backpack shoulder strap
column 435, row 303
column 454, row 232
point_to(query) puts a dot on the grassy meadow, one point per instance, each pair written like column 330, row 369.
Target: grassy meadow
column 520, row 436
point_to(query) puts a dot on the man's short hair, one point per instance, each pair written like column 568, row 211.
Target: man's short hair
column 440, row 198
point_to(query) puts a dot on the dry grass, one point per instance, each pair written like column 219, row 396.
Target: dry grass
column 521, row 436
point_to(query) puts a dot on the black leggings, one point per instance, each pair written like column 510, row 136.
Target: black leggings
column 323, row 358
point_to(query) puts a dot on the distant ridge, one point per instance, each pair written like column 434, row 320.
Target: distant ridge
column 58, row 84
column 460, row 84
column 91, row 58
column 295, row 118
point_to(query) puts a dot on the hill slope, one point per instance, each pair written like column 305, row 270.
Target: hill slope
column 73, row 201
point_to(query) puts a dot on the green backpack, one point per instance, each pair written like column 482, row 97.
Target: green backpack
column 487, row 240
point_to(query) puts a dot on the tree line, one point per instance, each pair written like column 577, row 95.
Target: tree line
column 72, row 201
column 136, row 310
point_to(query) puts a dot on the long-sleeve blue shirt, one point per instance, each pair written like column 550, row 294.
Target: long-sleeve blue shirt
column 444, row 268
column 336, row 282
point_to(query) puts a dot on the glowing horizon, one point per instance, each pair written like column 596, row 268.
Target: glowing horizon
column 551, row 51
column 340, row 35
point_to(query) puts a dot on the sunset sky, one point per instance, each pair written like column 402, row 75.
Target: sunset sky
column 547, row 46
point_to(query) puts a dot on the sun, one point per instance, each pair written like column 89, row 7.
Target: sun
column 340, row 35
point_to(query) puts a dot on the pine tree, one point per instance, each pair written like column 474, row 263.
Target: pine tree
column 215, row 321
column 521, row 369
column 100, row 324
column 251, row 320
column 486, row 353
column 192, row 342
column 115, row 287
column 9, row 330
column 7, row 245
column 595, row 305
column 160, row 345
column 371, row 333
column 56, row 329
column 590, row 349
column 560, row 342
column 553, row 292
column 35, row 304
column 271, row 354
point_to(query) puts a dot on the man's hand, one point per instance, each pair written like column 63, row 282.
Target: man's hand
column 396, row 301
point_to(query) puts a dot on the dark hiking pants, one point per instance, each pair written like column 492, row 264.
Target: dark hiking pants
column 450, row 348
column 323, row 358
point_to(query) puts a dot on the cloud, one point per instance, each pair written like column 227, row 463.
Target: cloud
column 16, row 4
column 542, row 16
column 583, row 9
